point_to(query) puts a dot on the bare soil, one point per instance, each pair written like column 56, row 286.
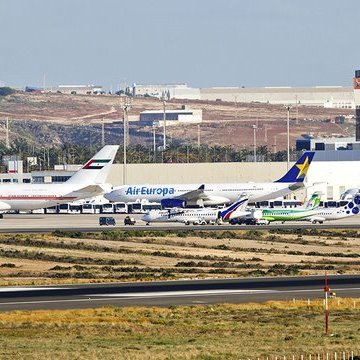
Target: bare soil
column 224, row 123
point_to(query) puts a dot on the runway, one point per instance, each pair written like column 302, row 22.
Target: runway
column 22, row 223
column 170, row 293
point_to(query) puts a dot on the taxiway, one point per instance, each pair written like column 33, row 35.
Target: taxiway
column 22, row 223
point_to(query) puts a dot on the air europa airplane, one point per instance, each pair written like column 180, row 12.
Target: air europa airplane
column 180, row 195
column 87, row 182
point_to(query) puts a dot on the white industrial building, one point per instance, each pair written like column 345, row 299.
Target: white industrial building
column 172, row 117
column 324, row 96
column 78, row 89
column 167, row 91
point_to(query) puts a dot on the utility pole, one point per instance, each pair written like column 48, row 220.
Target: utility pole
column 275, row 148
column 7, row 141
column 265, row 136
column 164, row 122
column 198, row 137
column 254, row 128
column 102, row 133
column 288, row 107
column 154, row 142
column 125, row 106
column 236, row 108
column 90, row 140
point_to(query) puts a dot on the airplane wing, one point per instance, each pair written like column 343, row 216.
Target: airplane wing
column 193, row 194
column 87, row 191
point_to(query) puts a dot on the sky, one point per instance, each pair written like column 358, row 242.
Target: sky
column 203, row 43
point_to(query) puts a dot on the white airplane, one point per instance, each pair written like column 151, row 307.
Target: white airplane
column 327, row 214
column 201, row 216
column 181, row 195
column 87, row 182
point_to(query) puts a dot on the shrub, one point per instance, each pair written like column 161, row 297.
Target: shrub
column 4, row 91
column 8, row 265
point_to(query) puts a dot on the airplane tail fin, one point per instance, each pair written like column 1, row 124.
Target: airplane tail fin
column 239, row 204
column 353, row 206
column 96, row 170
column 313, row 202
column 298, row 171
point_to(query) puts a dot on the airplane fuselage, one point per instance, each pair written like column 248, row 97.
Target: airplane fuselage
column 287, row 214
column 36, row 196
column 324, row 214
column 215, row 194
column 184, row 216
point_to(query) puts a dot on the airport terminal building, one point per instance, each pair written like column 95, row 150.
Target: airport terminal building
column 331, row 172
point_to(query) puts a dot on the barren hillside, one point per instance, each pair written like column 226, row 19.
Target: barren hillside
column 58, row 118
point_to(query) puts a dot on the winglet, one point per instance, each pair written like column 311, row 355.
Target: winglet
column 298, row 171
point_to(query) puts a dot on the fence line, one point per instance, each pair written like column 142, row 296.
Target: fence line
column 336, row 355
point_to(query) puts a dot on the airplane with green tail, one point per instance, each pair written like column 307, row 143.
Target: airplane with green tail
column 293, row 214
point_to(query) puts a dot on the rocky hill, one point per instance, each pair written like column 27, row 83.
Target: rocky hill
column 54, row 119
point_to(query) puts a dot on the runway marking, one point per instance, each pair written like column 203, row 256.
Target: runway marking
column 14, row 288
column 184, row 294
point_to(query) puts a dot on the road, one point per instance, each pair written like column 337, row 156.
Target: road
column 169, row 293
column 20, row 223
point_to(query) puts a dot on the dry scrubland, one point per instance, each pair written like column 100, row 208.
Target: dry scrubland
column 194, row 332
column 147, row 255
column 244, row 331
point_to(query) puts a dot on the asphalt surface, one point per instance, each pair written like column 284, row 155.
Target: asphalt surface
column 169, row 293
column 163, row 293
column 22, row 223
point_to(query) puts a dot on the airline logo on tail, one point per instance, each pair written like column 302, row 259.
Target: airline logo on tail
column 298, row 172
column 226, row 214
column 314, row 201
column 96, row 164
column 353, row 206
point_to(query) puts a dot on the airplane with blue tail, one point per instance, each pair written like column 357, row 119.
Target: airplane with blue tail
column 181, row 195
column 200, row 216
column 350, row 208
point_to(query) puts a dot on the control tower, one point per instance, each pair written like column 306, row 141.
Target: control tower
column 357, row 103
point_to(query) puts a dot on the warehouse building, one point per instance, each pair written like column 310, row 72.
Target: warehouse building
column 79, row 89
column 167, row 91
column 173, row 117
column 325, row 96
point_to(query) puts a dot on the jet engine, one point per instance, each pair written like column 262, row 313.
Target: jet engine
column 171, row 203
column 4, row 206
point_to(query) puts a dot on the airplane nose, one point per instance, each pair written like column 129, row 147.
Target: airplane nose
column 146, row 218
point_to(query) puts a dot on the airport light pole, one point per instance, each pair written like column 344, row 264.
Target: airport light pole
column 154, row 142
column 125, row 107
column 164, row 122
column 255, row 128
column 288, row 107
